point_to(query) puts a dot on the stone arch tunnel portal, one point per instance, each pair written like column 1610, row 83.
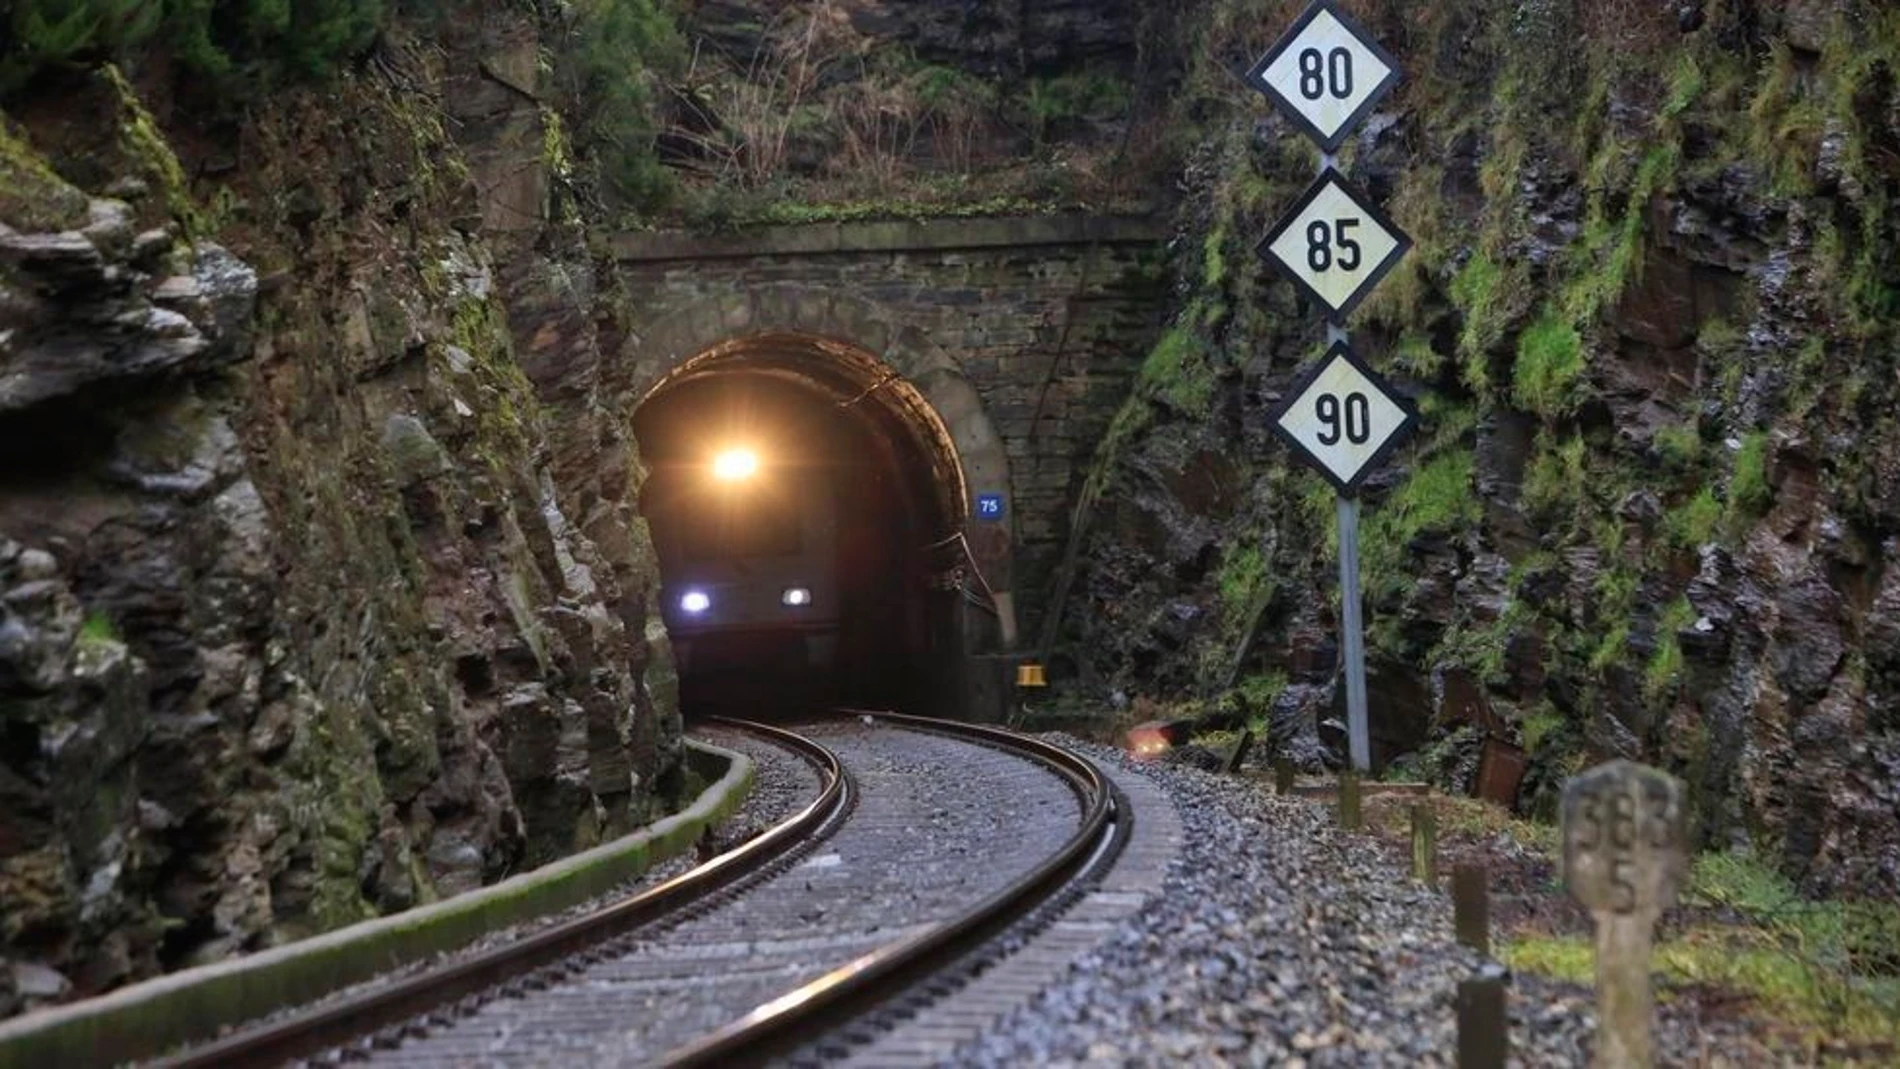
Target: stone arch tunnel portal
column 812, row 511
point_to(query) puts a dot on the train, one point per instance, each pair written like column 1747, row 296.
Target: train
column 752, row 598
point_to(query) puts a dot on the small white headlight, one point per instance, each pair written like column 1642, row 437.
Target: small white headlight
column 695, row 601
column 796, row 595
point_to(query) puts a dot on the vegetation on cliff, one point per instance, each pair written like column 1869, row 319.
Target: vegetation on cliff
column 293, row 556
column 1649, row 319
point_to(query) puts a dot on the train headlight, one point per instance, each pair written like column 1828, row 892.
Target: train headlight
column 735, row 465
column 795, row 596
column 695, row 602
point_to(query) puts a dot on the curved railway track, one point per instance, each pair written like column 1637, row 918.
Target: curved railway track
column 928, row 840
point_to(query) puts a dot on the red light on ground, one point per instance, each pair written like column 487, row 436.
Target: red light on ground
column 1147, row 741
column 1152, row 738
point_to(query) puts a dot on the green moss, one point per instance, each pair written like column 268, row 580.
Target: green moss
column 1610, row 648
column 1680, row 446
column 506, row 416
column 337, row 801
column 32, row 196
column 1748, row 491
column 1479, row 292
column 1241, row 571
column 1693, row 523
column 1480, row 646
column 1568, row 959
column 1808, row 378
column 98, row 628
column 1070, row 97
column 1555, row 478
column 1785, row 124
column 1610, row 255
column 1214, row 257
column 1177, row 369
column 1823, row 966
column 715, row 212
column 1437, row 496
column 1664, row 671
column 1549, row 365
column 1686, row 82
column 1539, row 727
column 556, row 153
column 146, row 145
column 1134, row 417
column 137, row 1029
column 1245, row 585
column 1257, row 693
column 1415, row 356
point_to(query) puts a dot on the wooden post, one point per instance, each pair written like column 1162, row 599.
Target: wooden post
column 1350, row 817
column 1282, row 776
column 1424, row 843
column 1484, row 1029
column 1471, row 907
column 1623, row 858
column 1239, row 756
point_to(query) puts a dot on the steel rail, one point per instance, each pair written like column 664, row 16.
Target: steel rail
column 367, row 1013
column 851, row 991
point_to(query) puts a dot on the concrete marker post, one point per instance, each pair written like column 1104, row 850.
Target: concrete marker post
column 1624, row 829
column 1283, row 772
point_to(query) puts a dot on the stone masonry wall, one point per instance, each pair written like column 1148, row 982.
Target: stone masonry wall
column 1049, row 319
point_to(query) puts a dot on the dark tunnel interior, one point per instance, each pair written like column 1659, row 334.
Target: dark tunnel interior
column 810, row 580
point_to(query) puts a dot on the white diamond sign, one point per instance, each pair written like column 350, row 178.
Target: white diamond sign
column 1325, row 73
column 1344, row 418
column 1334, row 245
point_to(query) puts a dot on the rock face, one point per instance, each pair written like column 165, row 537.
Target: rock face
column 310, row 608
column 1651, row 512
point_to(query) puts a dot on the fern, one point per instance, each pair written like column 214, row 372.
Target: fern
column 236, row 44
column 609, row 48
column 51, row 33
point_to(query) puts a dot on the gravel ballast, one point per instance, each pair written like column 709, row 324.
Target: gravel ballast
column 940, row 824
column 1279, row 940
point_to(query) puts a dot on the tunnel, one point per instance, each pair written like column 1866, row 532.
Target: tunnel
column 807, row 506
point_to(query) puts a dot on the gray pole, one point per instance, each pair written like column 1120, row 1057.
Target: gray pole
column 1353, row 634
column 1351, row 626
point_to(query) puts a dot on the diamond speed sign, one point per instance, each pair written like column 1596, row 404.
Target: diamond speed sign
column 1334, row 245
column 1325, row 73
column 1343, row 418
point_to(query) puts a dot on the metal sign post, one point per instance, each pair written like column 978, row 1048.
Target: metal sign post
column 1343, row 419
column 1326, row 74
column 1358, row 731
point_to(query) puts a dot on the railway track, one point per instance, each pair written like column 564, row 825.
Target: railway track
column 929, row 840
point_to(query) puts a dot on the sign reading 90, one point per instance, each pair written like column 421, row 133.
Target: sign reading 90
column 1350, row 420
column 1623, row 839
column 1342, row 416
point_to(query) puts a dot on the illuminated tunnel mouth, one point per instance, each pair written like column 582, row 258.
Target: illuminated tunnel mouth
column 822, row 576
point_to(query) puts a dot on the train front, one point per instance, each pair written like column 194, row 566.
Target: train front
column 751, row 601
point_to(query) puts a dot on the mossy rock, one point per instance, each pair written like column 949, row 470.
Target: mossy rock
column 32, row 196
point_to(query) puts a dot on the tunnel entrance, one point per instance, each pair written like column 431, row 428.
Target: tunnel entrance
column 807, row 507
